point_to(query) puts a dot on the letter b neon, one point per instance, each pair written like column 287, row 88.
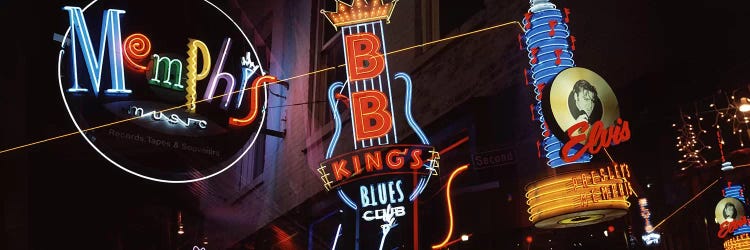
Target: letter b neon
column 371, row 117
column 361, row 48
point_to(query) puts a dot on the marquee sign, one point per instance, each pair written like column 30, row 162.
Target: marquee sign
column 189, row 86
column 730, row 212
column 374, row 175
column 579, row 198
column 740, row 242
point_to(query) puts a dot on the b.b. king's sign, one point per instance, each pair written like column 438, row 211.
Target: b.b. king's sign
column 375, row 176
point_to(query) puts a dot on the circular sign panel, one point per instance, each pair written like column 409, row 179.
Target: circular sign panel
column 170, row 90
column 582, row 218
column 728, row 209
column 579, row 95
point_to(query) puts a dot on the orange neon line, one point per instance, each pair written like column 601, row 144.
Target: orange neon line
column 454, row 145
column 450, row 206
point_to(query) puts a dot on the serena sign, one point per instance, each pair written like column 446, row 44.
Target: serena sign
column 182, row 78
column 584, row 113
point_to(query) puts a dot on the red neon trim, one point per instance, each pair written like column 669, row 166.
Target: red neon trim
column 363, row 114
column 572, row 43
column 527, row 16
column 538, row 149
column 359, row 177
column 454, row 145
column 526, row 76
column 552, row 25
column 450, row 206
column 343, row 99
column 360, row 48
column 136, row 46
column 253, row 112
column 721, row 146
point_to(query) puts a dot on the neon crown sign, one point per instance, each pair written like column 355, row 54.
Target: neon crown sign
column 374, row 169
column 156, row 77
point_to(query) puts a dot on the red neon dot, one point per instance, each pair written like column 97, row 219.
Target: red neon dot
column 529, row 239
column 611, row 229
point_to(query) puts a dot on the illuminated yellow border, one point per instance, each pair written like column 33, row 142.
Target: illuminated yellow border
column 740, row 242
column 579, row 191
column 359, row 12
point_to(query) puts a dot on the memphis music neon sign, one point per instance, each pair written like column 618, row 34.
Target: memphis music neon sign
column 237, row 78
column 167, row 72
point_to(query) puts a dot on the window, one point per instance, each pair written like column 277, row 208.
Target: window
column 327, row 52
column 442, row 17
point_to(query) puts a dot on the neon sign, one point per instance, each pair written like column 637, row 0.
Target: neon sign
column 584, row 111
column 649, row 238
column 172, row 119
column 549, row 53
column 739, row 242
column 580, row 198
column 730, row 212
column 575, row 107
column 158, row 92
column 383, row 175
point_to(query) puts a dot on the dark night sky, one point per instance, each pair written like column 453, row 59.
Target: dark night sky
column 657, row 55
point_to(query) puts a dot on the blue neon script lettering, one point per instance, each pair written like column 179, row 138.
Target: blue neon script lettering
column 110, row 34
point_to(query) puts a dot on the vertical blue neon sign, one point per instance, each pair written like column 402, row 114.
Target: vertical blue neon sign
column 549, row 53
column 110, row 34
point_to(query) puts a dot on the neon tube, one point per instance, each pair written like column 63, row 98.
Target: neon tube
column 450, row 206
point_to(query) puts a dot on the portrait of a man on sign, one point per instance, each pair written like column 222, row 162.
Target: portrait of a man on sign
column 729, row 210
column 584, row 103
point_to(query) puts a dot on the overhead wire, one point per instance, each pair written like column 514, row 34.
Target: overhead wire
column 264, row 85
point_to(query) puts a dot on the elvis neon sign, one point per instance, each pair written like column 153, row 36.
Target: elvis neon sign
column 730, row 212
column 576, row 109
column 158, row 79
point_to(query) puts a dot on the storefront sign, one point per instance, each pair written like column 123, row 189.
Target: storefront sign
column 376, row 161
column 375, row 176
column 493, row 158
column 580, row 198
column 190, row 81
